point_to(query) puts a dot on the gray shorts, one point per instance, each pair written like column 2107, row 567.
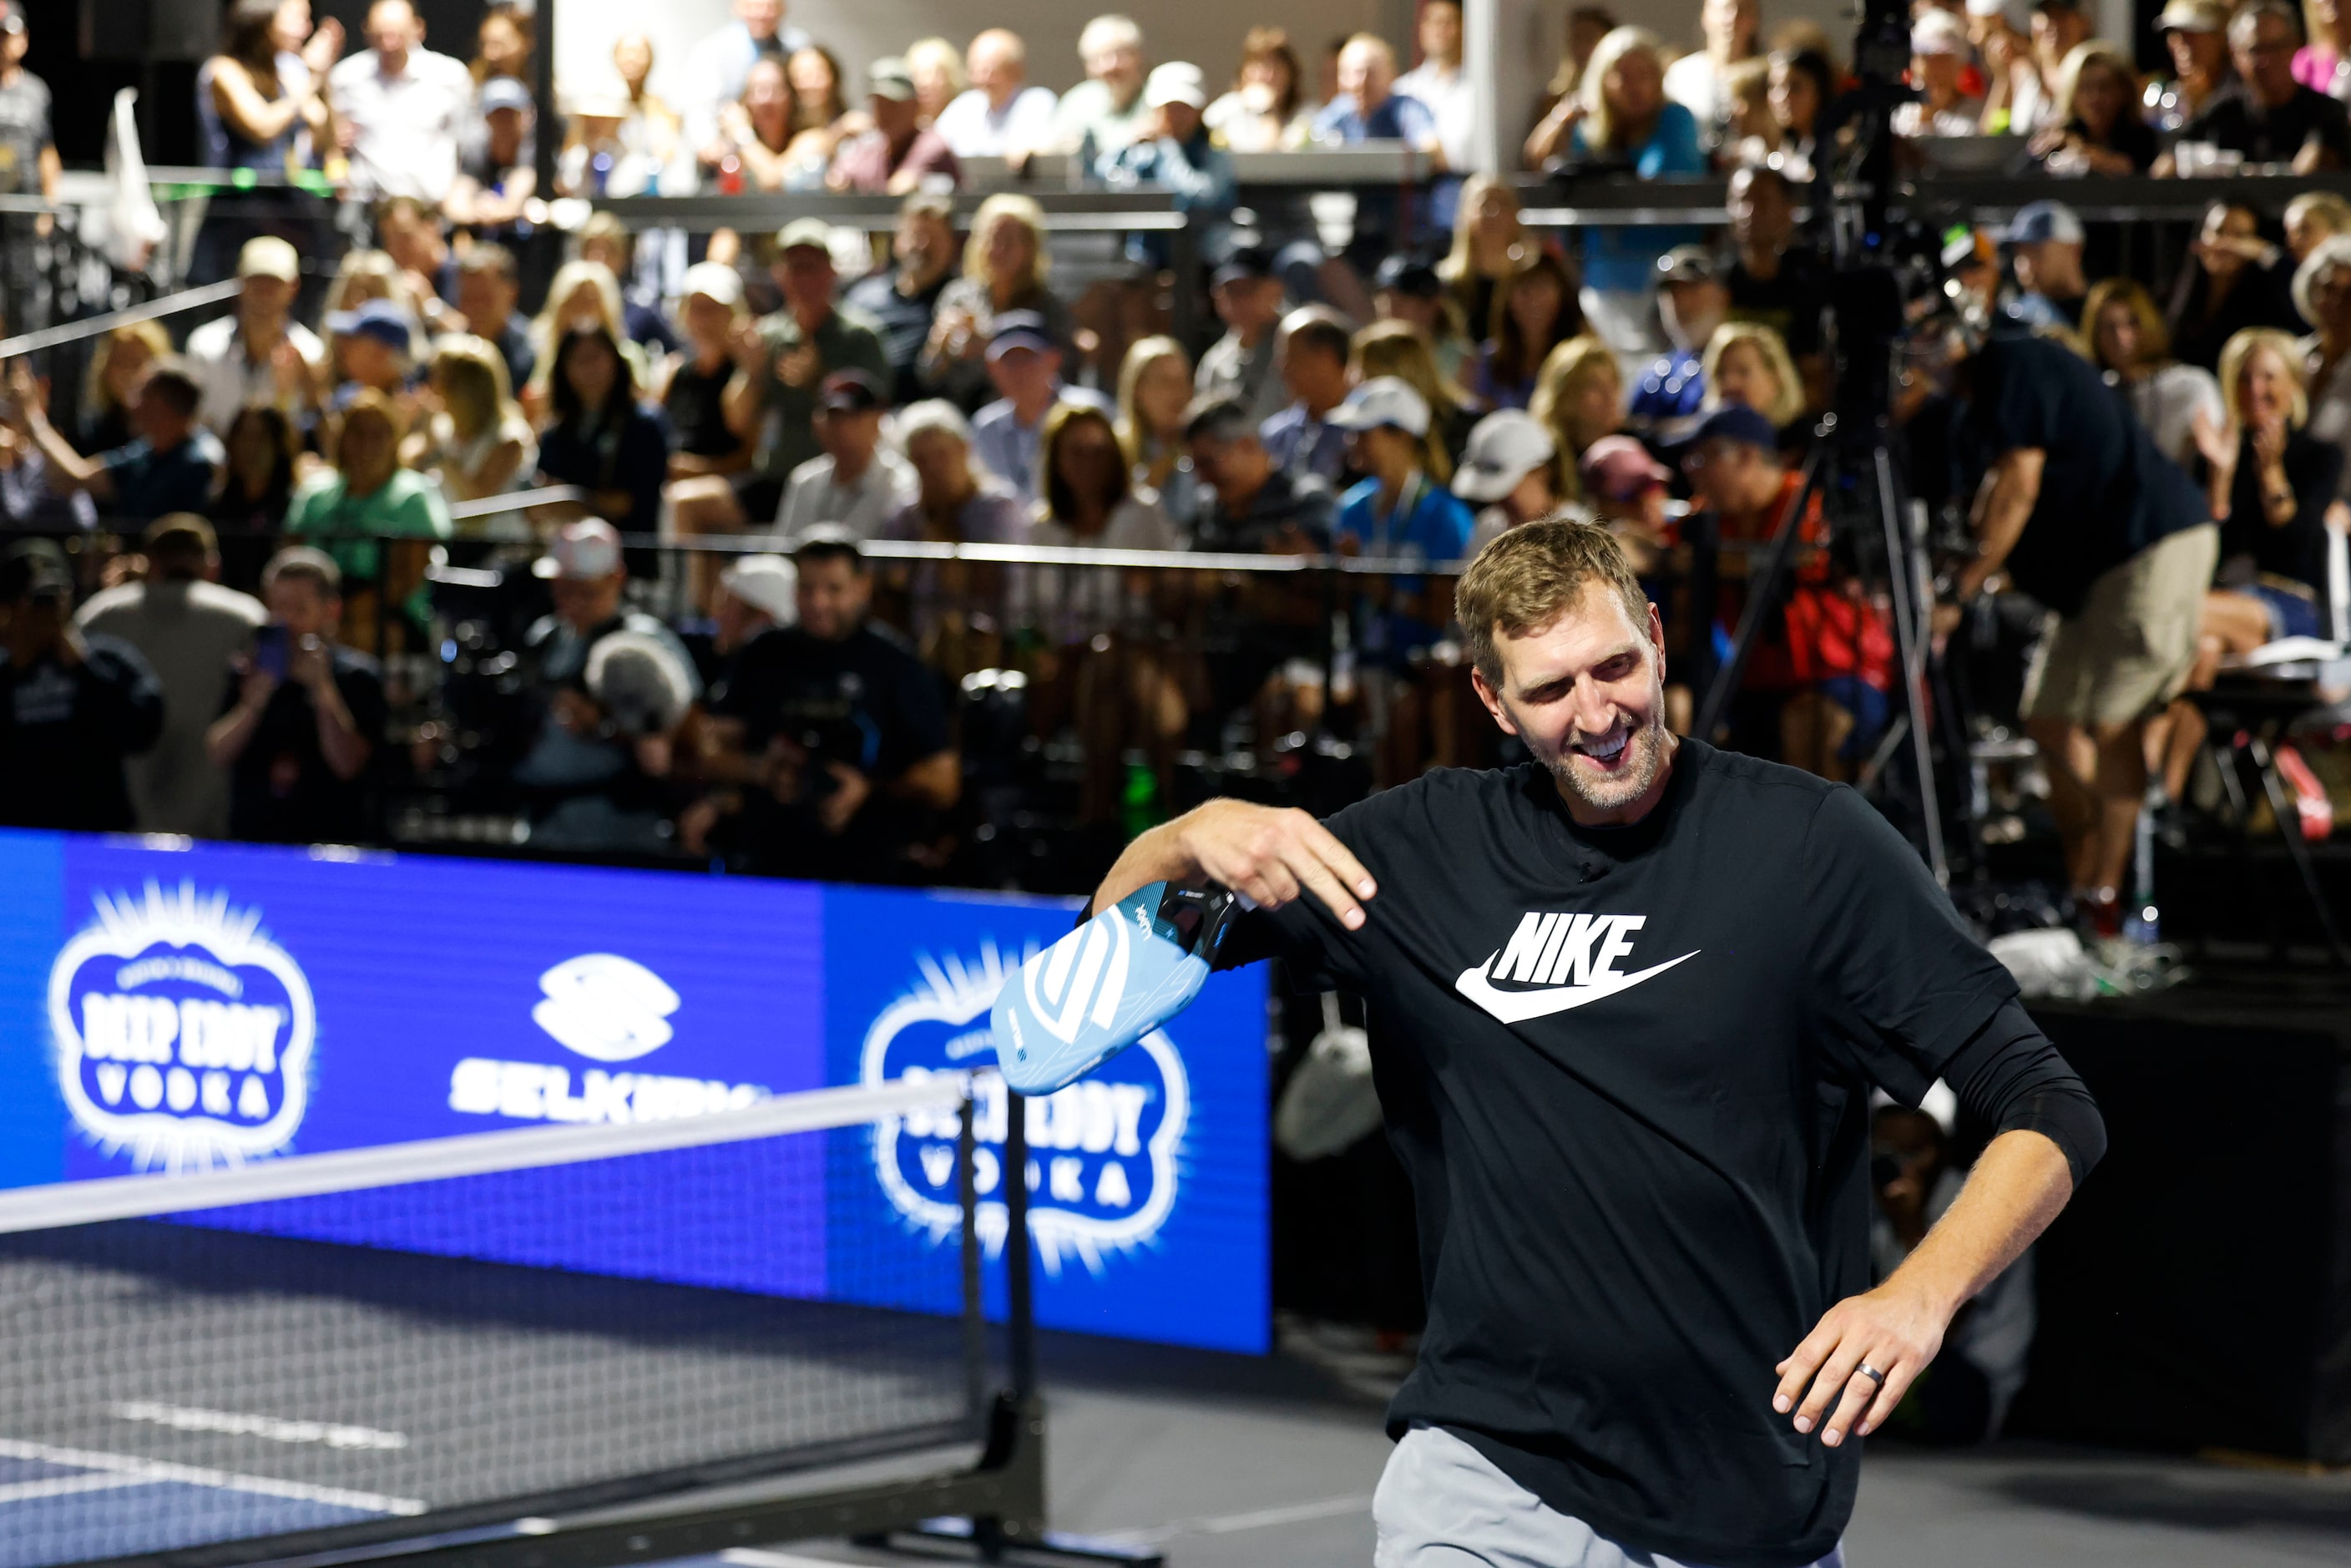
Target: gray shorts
column 1442, row 1504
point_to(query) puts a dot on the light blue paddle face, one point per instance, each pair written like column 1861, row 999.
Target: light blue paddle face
column 1092, row 994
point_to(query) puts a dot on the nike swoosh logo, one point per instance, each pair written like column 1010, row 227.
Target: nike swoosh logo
column 1518, row 1007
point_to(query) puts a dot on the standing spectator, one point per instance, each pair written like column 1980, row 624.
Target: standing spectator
column 2093, row 126
column 2269, row 117
column 1240, row 364
column 29, row 158
column 258, row 353
column 999, row 115
column 718, row 67
column 495, row 179
column 1579, row 396
column 2234, row 279
column 1311, row 356
column 2323, row 61
column 1105, row 111
column 1534, row 313
column 2195, row 35
column 2179, row 404
column 1491, row 247
column 1769, row 285
column 898, row 154
column 857, row 484
column 937, row 71
column 121, row 361
column 258, row 117
column 72, row 708
column 1266, row 111
column 187, row 627
column 601, row 439
column 2044, row 252
column 474, row 442
column 1938, row 54
column 488, row 290
column 304, row 715
column 399, row 109
column 902, row 300
column 1440, row 83
column 692, row 393
column 1701, row 81
column 168, row 465
column 365, row 497
column 1154, row 389
column 258, row 477
column 1174, row 152
column 1026, row 366
column 1005, row 269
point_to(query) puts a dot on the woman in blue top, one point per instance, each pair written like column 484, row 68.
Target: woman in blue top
column 1400, row 512
column 1620, row 116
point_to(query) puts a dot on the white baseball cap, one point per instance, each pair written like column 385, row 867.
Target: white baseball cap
column 1939, row 33
column 1175, row 82
column 1504, row 448
column 715, row 280
column 267, row 255
column 585, row 551
column 1382, row 401
column 1987, row 7
column 767, row 583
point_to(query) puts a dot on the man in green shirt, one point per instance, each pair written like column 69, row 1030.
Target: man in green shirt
column 369, row 493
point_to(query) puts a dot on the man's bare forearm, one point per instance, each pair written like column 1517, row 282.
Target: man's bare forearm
column 2017, row 1186
column 1158, row 856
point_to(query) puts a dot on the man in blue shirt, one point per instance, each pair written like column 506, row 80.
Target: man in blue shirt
column 1311, row 358
column 169, row 468
column 1399, row 512
column 1369, row 109
column 1025, row 364
column 1174, row 154
column 1691, row 302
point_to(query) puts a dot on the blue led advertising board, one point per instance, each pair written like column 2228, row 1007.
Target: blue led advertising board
column 168, row 1007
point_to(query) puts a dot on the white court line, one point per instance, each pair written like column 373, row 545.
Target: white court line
column 64, row 1485
column 761, row 1557
column 197, row 1474
column 1233, row 1523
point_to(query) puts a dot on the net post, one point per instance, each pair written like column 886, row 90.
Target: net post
column 974, row 1315
column 1020, row 1325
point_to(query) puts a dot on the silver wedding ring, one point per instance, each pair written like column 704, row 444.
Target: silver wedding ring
column 1871, row 1374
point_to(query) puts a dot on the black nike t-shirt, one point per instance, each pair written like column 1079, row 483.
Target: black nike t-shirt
column 1628, row 1072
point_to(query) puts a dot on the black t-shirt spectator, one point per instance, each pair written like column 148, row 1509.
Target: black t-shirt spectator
column 2132, row 137
column 2295, row 549
column 148, row 484
column 697, row 418
column 1284, row 502
column 65, row 729
column 281, row 790
column 629, row 453
column 2259, row 297
column 903, row 323
column 2106, row 491
column 1789, row 301
column 2235, row 123
column 1628, row 1072
column 865, row 700
column 514, row 348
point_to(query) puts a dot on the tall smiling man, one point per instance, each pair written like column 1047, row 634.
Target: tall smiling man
column 1627, row 1004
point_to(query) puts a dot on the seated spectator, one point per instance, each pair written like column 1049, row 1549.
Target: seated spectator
column 168, row 465
column 362, row 276
column 1748, row 364
column 258, row 353
column 584, row 293
column 2267, row 117
column 1005, row 268
column 1394, row 348
column 495, row 179
column 591, row 777
column 1699, row 81
column 1155, row 392
column 2282, row 487
column 73, row 709
column 399, row 109
column 2320, row 63
column 605, row 239
column 304, row 715
column 2179, row 404
column 1691, row 303
column 999, row 115
column 1749, row 134
column 1314, row 350
column 769, row 140
column 1248, row 505
column 2094, row 123
column 1266, row 111
column 902, row 300
column 2032, row 107
column 2234, row 279
column 952, row 607
column 1491, row 247
column 1939, row 52
column 898, row 154
column 121, row 362
column 695, row 382
column 1626, row 490
column 486, row 292
column 1769, row 285
column 1533, row 314
column 1579, row 396
column 2312, row 217
column 411, row 233
column 652, row 126
column 1407, row 289
column 1439, row 84
column 601, row 438
column 474, row 442
column 858, row 484
column 365, row 497
column 1510, row 472
column 937, row 68
column 1174, row 153
column 2044, row 252
column 502, row 44
column 1247, row 298
column 718, row 66
column 187, row 627
column 1397, row 512
column 1026, row 366
column 1105, row 111
column 1369, row 109
column 1087, row 494
column 1802, row 87
column 820, row 118
column 257, row 472
column 755, row 593
column 846, row 758
column 371, row 348
column 2322, row 293
column 2196, row 37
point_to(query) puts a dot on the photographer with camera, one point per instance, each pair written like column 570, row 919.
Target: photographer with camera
column 71, row 707
column 834, row 757
column 304, row 714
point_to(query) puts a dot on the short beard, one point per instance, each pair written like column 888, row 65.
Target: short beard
column 1647, row 746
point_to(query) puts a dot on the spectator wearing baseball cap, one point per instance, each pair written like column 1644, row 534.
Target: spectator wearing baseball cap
column 859, row 484
column 1399, row 511
column 2267, row 116
column 2196, row 37
column 899, row 155
column 1247, row 293
column 2044, row 251
column 1626, row 490
column 1938, row 54
column 1025, row 364
column 374, row 344
column 1174, row 153
column 1510, row 470
column 496, row 173
column 1692, row 300
column 695, row 382
column 258, row 353
column 72, row 708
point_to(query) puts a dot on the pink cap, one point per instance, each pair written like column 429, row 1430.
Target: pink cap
column 1617, row 468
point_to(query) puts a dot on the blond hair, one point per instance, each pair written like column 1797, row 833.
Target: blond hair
column 2154, row 335
column 149, row 335
column 1563, row 373
column 1775, row 349
column 1454, row 266
column 472, row 377
column 1532, row 575
column 2237, row 357
column 1141, row 355
column 2081, row 57
column 1019, row 209
column 1397, row 348
column 1600, row 126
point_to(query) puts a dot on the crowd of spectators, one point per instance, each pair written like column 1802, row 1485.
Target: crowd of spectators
column 815, row 403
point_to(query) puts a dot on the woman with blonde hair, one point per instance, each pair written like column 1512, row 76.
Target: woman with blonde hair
column 1266, row 111
column 2312, row 217
column 2322, row 64
column 1005, row 265
column 1747, row 363
column 362, row 276
column 474, row 439
column 2094, row 126
column 583, row 293
column 121, row 357
column 1491, row 247
column 1579, row 397
column 1398, row 348
column 2179, row 404
column 937, row 68
column 1154, row 388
